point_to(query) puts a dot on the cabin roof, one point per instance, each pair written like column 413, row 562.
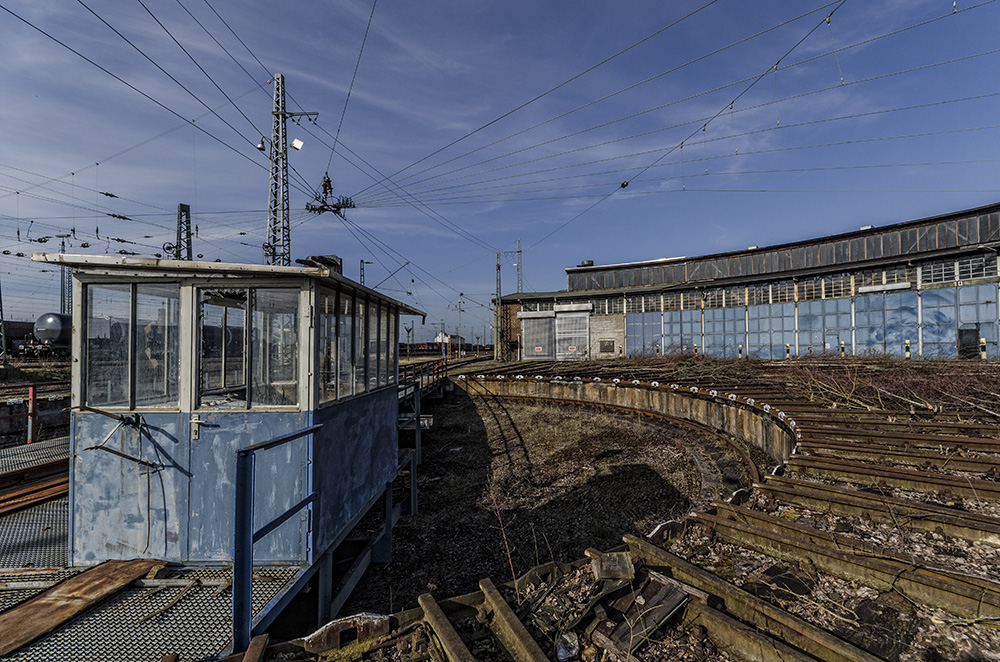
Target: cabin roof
column 95, row 263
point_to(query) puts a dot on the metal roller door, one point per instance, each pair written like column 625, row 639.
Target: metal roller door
column 538, row 337
column 572, row 336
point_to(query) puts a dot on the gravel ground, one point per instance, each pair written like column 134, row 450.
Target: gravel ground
column 507, row 486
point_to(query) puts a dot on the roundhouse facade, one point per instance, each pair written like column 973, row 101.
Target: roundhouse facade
column 928, row 286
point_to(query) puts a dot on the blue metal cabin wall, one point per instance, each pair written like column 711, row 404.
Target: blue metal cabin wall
column 191, row 498
column 109, row 494
column 280, row 481
column 356, row 455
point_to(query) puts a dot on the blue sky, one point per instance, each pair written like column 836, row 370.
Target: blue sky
column 472, row 124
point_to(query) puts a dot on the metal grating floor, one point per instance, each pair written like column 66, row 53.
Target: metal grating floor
column 26, row 455
column 148, row 622
column 36, row 537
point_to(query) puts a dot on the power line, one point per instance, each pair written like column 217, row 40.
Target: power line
column 129, row 85
column 549, row 91
column 606, row 97
column 351, row 87
column 366, row 201
column 197, row 64
column 164, row 71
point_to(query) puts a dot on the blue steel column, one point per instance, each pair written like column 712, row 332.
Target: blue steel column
column 243, row 551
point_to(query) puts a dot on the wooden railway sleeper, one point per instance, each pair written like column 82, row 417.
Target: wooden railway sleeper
column 779, row 526
column 750, row 609
column 924, row 587
column 908, row 514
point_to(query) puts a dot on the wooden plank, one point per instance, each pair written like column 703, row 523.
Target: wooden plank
column 34, row 496
column 255, row 651
column 51, row 608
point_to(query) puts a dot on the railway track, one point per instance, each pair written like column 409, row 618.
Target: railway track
column 33, row 474
column 877, row 539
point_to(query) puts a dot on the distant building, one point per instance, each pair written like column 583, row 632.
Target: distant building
column 928, row 285
column 449, row 338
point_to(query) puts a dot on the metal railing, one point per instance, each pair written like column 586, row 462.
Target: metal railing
column 36, row 393
column 423, row 374
column 244, row 536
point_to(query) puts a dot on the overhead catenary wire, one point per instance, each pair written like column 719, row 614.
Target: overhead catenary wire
column 551, row 90
column 613, row 94
column 667, row 152
column 364, row 201
column 704, row 120
column 354, row 77
column 129, row 85
column 164, row 71
column 200, row 68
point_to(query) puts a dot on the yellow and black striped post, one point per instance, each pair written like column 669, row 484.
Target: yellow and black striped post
column 842, row 352
column 982, row 348
column 741, row 351
column 907, row 351
column 788, row 350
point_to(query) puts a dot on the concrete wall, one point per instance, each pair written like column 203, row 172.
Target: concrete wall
column 749, row 423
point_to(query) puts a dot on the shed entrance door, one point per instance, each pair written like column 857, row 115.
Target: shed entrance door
column 572, row 336
column 968, row 342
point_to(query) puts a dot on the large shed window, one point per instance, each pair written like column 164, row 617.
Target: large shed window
column 132, row 345
column 247, row 332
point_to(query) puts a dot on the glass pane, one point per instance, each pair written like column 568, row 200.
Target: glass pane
column 345, row 333
column 373, row 329
column 360, row 347
column 275, row 352
column 157, row 344
column 106, row 350
column 327, row 343
column 222, row 320
column 383, row 346
column 393, row 345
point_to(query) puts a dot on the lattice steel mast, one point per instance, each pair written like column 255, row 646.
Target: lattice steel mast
column 183, row 248
column 277, row 250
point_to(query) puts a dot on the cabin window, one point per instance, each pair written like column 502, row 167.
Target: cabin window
column 360, row 346
column 132, row 345
column 249, row 347
column 328, row 349
column 373, row 362
column 157, row 345
column 393, row 344
column 345, row 348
